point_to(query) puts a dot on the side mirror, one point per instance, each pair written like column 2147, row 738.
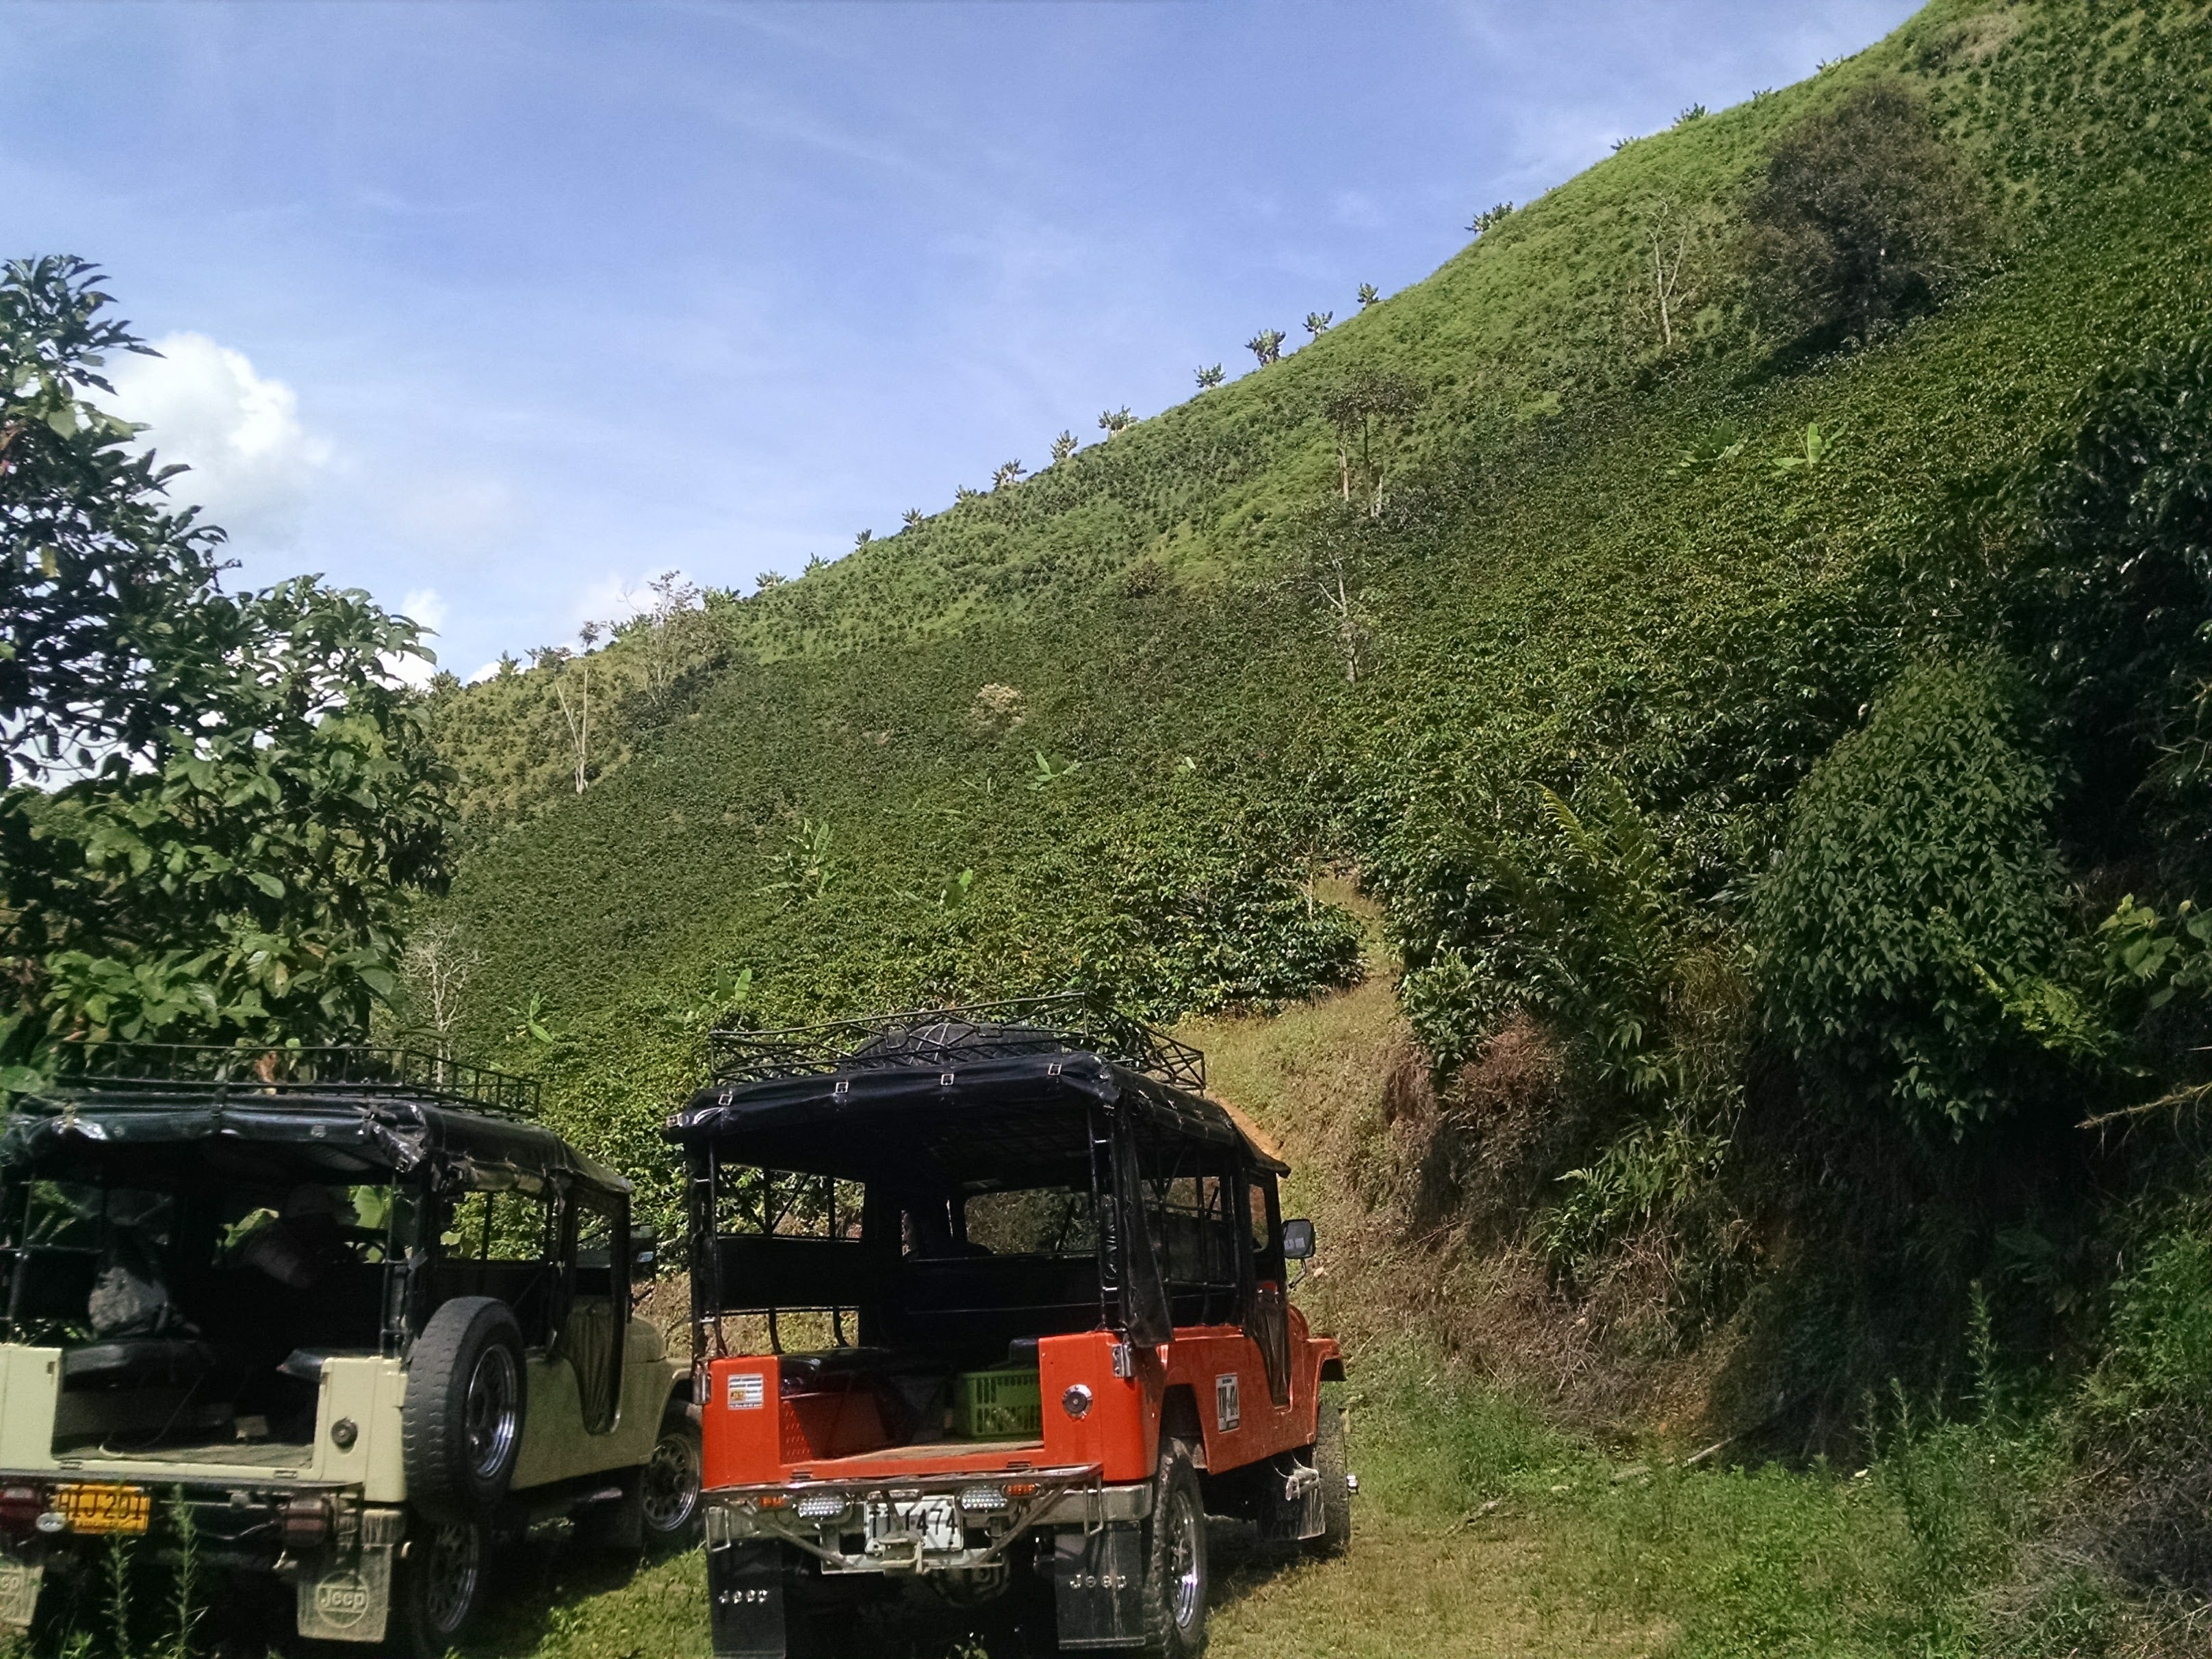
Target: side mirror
column 644, row 1255
column 1297, row 1241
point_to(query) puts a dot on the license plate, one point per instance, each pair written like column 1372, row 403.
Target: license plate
column 935, row 1521
column 105, row 1509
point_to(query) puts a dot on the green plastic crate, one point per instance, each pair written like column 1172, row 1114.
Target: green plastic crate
column 1003, row 1404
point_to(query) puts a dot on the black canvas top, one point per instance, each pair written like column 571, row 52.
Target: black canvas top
column 910, row 1114
column 98, row 1123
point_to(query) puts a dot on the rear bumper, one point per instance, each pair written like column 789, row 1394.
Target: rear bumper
column 874, row 1526
column 322, row 1537
column 236, row 1522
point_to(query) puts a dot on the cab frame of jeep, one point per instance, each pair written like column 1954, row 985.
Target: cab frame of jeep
column 153, row 1370
column 959, row 1202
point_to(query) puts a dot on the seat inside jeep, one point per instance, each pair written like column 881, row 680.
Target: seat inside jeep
column 194, row 1294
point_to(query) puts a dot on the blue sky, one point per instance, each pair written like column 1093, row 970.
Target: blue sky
column 497, row 309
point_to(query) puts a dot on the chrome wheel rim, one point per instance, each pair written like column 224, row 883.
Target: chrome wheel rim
column 669, row 1484
column 490, row 1414
column 453, row 1565
column 1185, row 1581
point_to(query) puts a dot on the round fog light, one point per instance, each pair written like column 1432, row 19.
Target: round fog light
column 343, row 1433
column 1076, row 1402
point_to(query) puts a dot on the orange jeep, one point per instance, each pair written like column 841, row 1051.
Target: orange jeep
column 993, row 1299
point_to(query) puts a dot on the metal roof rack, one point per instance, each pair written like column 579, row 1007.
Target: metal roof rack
column 936, row 1038
column 357, row 1069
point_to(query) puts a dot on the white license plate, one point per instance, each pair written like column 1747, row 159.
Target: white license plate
column 934, row 1521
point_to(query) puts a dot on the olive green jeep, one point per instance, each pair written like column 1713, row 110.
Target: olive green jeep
column 345, row 1317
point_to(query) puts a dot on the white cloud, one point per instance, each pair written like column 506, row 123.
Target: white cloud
column 424, row 607
column 253, row 463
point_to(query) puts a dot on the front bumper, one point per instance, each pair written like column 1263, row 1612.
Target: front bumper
column 921, row 1524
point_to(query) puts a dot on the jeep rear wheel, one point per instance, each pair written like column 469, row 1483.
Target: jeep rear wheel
column 1175, row 1581
column 442, row 1579
column 461, row 1427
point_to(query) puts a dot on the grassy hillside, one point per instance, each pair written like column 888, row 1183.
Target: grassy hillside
column 1778, row 763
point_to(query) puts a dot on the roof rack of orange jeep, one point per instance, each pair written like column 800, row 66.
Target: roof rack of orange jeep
column 935, row 1038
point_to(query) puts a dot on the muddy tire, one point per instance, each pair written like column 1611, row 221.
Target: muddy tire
column 1331, row 1452
column 441, row 1584
column 1175, row 1579
column 461, row 1428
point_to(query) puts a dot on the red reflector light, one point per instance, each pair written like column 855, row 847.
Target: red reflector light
column 307, row 1523
column 771, row 1500
column 20, row 1507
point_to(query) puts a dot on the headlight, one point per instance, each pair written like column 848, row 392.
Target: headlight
column 1076, row 1402
column 819, row 1506
column 982, row 1498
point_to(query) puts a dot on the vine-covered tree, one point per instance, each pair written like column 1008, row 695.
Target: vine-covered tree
column 1114, row 421
column 911, row 518
column 1008, row 472
column 215, row 805
column 1318, row 322
column 1368, row 294
column 1062, row 447
column 1864, row 218
column 1209, row 377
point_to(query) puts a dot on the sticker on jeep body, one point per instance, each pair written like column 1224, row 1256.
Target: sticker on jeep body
column 1228, row 1402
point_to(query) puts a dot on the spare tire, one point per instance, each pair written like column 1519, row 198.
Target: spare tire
column 461, row 1428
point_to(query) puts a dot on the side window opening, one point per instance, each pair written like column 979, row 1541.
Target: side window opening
column 1192, row 1201
column 503, row 1243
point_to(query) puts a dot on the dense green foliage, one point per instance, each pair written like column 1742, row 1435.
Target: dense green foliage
column 232, row 793
column 1917, row 853
column 93, row 559
column 1864, row 219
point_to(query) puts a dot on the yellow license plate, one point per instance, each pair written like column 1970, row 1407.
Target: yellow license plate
column 105, row 1509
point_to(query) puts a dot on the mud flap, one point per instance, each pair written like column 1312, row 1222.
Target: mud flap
column 1098, row 1588
column 19, row 1590
column 348, row 1601
column 744, row 1598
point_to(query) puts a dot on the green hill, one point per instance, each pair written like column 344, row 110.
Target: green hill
column 1765, row 741
column 1776, row 746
